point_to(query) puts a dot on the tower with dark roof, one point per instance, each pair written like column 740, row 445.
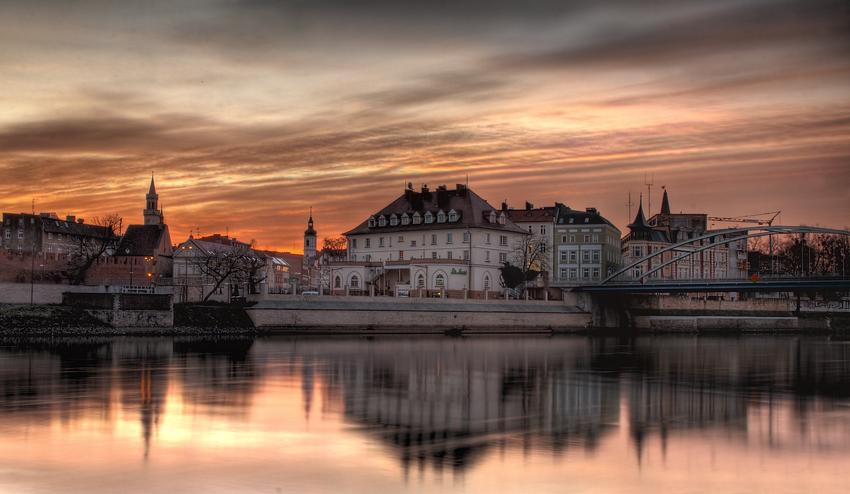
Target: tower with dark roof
column 641, row 230
column 310, row 239
column 152, row 214
column 665, row 204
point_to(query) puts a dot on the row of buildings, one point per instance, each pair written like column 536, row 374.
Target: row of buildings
column 447, row 242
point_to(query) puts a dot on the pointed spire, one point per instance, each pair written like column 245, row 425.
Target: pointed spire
column 153, row 188
column 665, row 203
column 640, row 219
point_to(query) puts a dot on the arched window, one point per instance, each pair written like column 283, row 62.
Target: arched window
column 355, row 281
column 486, row 281
column 440, row 281
column 337, row 282
column 420, row 280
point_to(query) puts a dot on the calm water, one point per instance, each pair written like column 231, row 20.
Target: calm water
column 435, row 414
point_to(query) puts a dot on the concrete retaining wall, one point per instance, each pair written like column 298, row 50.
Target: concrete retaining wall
column 383, row 314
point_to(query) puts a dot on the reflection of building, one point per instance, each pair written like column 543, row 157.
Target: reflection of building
column 440, row 242
column 718, row 260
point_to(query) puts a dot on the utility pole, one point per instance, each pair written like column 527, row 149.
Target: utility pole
column 649, row 185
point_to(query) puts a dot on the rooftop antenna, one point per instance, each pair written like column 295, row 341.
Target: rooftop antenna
column 226, row 231
column 630, row 204
column 649, row 185
column 33, row 206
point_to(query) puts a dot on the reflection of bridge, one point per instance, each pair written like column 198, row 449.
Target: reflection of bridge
column 650, row 282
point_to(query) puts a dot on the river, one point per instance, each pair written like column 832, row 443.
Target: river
column 539, row 414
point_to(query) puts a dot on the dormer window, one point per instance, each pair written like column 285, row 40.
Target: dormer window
column 405, row 219
column 393, row 220
column 429, row 218
column 492, row 217
column 371, row 222
column 416, row 218
column 441, row 217
column 502, row 219
column 382, row 220
column 452, row 216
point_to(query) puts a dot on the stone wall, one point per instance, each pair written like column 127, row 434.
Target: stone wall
column 386, row 314
column 676, row 302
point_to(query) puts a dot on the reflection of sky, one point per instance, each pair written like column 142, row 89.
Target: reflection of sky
column 251, row 111
column 526, row 413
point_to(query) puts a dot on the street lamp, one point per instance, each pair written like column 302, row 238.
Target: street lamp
column 127, row 251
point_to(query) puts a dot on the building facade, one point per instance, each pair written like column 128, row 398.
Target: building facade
column 587, row 247
column 442, row 243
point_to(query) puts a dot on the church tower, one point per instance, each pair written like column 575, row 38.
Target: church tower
column 153, row 216
column 310, row 240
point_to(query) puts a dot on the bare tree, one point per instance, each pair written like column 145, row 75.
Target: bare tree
column 334, row 248
column 253, row 268
column 219, row 263
column 92, row 242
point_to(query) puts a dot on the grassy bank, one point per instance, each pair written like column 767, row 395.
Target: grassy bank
column 47, row 317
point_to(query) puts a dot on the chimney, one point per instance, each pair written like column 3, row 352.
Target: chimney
column 591, row 210
column 72, row 219
column 81, row 221
column 504, row 205
column 424, row 188
column 442, row 196
column 528, row 206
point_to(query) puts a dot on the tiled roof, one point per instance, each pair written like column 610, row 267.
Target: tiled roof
column 471, row 211
column 565, row 214
column 72, row 228
column 538, row 215
column 140, row 240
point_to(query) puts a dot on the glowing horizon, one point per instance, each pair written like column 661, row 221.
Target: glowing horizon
column 250, row 112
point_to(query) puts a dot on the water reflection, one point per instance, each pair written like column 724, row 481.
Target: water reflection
column 429, row 406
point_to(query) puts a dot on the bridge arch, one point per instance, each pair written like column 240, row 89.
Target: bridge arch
column 738, row 234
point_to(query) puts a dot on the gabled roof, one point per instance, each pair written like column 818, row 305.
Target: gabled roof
column 567, row 217
column 471, row 212
column 52, row 225
column 140, row 240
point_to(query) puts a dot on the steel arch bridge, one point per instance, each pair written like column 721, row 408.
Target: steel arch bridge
column 715, row 238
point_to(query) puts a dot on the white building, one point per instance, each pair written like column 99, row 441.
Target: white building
column 445, row 243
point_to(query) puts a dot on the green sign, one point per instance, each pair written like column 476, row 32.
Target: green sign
column 458, row 271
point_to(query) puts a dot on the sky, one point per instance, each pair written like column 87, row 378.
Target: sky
column 251, row 112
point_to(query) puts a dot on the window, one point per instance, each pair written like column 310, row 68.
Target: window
column 585, row 256
column 381, row 242
column 449, row 237
column 420, row 280
column 596, row 256
column 530, row 229
column 20, row 234
column 596, row 238
column 503, row 257
column 433, row 239
column 449, row 254
column 563, row 273
column 466, row 255
column 8, row 233
column 429, row 218
column 416, row 218
column 413, row 243
column 382, row 221
column 433, row 255
column 585, row 272
column 487, row 255
column 393, row 220
column 486, row 281
column 637, row 252
column 573, row 256
column 572, row 239
column 368, row 243
column 573, row 273
column 543, row 229
column 488, row 238
column 337, row 282
column 503, row 240
column 543, row 248
column 405, row 219
column 368, row 258
column 563, row 239
column 401, row 255
column 440, row 280
column 637, row 272
column 60, row 236
column 502, row 219
column 354, row 243
column 50, row 236
column 563, row 255
column 355, row 281
column 371, row 222
column 587, row 238
column 401, row 239
column 441, row 217
column 452, row 216
column 50, row 249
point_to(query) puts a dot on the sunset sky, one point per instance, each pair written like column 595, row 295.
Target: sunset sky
column 250, row 112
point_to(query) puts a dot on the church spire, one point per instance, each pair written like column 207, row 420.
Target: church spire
column 665, row 203
column 152, row 214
